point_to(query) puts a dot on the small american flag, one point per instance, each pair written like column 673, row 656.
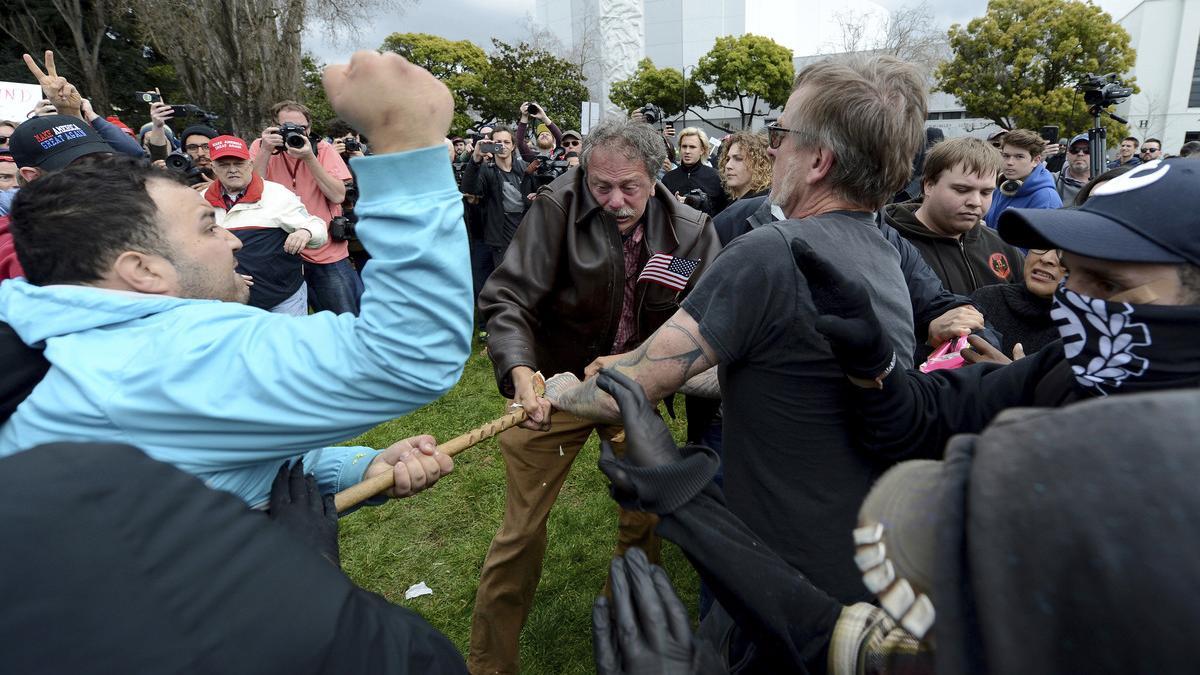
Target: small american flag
column 668, row 270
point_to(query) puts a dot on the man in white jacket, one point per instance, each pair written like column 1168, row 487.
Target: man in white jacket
column 271, row 223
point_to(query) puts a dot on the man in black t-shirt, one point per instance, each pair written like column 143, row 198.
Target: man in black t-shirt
column 752, row 315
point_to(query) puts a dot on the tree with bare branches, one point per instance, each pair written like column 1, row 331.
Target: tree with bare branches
column 238, row 57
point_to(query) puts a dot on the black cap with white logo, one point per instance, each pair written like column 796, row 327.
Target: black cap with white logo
column 1147, row 215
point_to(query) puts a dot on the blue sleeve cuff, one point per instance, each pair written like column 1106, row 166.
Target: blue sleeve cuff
column 337, row 468
column 400, row 175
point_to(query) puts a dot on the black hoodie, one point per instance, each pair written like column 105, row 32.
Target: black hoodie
column 978, row 258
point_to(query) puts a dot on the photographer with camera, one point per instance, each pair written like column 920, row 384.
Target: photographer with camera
column 500, row 179
column 549, row 138
column 695, row 183
column 316, row 173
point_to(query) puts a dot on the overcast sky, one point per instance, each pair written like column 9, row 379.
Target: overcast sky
column 481, row 20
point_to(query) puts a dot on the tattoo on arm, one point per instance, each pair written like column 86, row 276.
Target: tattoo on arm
column 704, row 385
column 667, row 371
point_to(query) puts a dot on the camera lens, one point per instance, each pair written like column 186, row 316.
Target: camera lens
column 295, row 141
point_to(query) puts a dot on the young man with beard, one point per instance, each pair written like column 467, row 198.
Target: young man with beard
column 576, row 286
column 132, row 287
column 946, row 225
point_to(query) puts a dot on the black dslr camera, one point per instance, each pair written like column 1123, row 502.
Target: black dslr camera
column 181, row 163
column 697, row 199
column 294, row 135
column 651, row 113
column 547, row 170
column 1103, row 90
column 351, row 145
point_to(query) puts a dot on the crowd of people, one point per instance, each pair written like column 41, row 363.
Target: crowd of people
column 937, row 420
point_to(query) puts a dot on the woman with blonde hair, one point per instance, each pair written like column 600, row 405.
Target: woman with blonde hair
column 745, row 166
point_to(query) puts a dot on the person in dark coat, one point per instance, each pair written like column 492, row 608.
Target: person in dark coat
column 116, row 563
column 1021, row 312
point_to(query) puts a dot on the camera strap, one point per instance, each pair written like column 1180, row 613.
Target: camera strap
column 292, row 170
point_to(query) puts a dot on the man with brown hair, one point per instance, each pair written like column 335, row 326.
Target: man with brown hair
column 317, row 174
column 837, row 160
column 1025, row 181
column 946, row 223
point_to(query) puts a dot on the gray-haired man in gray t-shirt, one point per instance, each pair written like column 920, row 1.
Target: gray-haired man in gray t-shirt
column 842, row 148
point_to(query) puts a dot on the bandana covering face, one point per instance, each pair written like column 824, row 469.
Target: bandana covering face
column 1118, row 346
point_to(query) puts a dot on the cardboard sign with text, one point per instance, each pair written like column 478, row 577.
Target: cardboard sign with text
column 17, row 99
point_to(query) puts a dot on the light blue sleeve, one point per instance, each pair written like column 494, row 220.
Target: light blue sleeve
column 247, row 386
column 119, row 140
column 337, row 468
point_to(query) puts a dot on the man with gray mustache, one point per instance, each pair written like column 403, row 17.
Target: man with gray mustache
column 600, row 261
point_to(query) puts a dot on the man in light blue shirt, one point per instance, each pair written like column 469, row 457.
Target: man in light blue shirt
column 131, row 288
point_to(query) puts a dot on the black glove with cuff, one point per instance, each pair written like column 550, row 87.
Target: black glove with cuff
column 845, row 317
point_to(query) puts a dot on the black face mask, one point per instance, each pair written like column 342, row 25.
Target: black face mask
column 1116, row 347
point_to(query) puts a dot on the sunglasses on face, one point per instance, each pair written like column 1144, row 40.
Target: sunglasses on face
column 1080, row 151
column 570, row 144
column 776, row 134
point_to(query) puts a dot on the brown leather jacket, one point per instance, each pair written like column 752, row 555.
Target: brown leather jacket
column 555, row 301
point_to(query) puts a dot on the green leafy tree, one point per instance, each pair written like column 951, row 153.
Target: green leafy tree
column 521, row 72
column 664, row 87
column 1019, row 64
column 312, row 93
column 459, row 64
column 745, row 70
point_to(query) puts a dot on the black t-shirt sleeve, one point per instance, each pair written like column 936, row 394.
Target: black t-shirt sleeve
column 741, row 300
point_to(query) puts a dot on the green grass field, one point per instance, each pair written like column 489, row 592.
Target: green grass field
column 441, row 536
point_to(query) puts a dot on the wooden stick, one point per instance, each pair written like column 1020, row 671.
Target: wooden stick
column 360, row 492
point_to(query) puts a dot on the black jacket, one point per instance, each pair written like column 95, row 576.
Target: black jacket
column 487, row 180
column 136, row 567
column 684, row 179
column 24, row 367
column 1021, row 316
column 978, row 258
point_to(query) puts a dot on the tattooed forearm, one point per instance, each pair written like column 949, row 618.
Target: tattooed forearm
column 660, row 365
column 704, row 385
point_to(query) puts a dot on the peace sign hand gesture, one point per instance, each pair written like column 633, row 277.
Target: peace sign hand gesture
column 61, row 93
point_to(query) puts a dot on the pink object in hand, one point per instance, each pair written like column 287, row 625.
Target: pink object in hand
column 947, row 357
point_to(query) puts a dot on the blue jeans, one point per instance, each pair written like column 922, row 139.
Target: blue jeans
column 334, row 286
column 296, row 305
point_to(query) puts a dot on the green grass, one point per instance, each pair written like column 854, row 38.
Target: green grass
column 442, row 535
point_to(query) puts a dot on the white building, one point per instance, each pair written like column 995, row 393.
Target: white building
column 1166, row 35
column 676, row 33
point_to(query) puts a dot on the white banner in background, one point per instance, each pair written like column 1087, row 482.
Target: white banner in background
column 17, row 99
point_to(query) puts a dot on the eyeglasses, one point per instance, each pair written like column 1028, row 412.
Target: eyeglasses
column 193, row 147
column 570, row 144
column 1151, row 149
column 776, row 134
column 1080, row 151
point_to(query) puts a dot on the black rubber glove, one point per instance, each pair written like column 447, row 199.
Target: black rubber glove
column 844, row 316
column 645, row 629
column 654, row 475
column 297, row 504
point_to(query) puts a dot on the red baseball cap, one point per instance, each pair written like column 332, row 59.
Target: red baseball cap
column 228, row 146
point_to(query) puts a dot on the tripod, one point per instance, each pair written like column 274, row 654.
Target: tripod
column 1096, row 137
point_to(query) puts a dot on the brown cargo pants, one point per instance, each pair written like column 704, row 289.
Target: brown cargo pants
column 535, row 474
